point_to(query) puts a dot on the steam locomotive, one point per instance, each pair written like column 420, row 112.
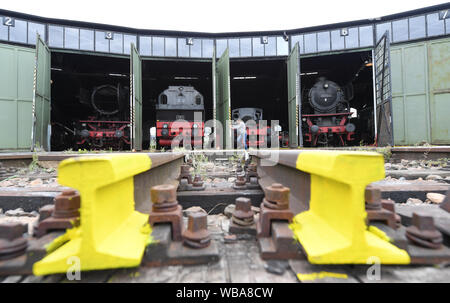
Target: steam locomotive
column 260, row 134
column 109, row 125
column 175, row 115
column 329, row 123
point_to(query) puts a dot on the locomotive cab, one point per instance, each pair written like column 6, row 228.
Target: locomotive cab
column 179, row 112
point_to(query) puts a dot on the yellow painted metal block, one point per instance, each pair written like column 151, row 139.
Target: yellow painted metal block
column 333, row 230
column 111, row 234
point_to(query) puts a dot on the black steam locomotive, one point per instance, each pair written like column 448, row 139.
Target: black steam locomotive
column 328, row 124
column 175, row 115
column 108, row 126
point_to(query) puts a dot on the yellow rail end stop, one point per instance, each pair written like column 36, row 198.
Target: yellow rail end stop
column 111, row 234
column 333, row 230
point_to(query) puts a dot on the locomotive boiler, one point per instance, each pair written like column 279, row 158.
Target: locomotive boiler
column 328, row 124
column 176, row 111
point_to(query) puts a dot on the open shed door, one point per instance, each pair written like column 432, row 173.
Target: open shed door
column 223, row 100
column 294, row 101
column 135, row 99
column 383, row 92
column 41, row 130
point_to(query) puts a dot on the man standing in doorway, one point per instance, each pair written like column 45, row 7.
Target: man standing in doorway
column 241, row 133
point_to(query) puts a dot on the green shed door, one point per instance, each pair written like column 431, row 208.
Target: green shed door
column 383, row 91
column 41, row 131
column 223, row 100
column 135, row 99
column 294, row 109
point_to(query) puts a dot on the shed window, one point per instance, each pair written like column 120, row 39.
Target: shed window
column 116, row 44
column 417, row 27
column 183, row 48
column 221, row 46
column 18, row 32
column 435, row 26
column 86, row 39
column 101, row 43
column 55, row 36
column 351, row 40
column 365, row 36
column 158, row 46
column 71, row 38
column 282, row 47
column 171, row 47
column 145, row 46
column 400, row 30
column 34, row 28
column 337, row 41
column 258, row 48
column 207, row 48
column 233, row 44
column 127, row 40
column 323, row 41
column 310, row 43
column 196, row 48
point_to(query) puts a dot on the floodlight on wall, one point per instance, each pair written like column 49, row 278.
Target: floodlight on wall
column 189, row 41
column 344, row 31
column 285, row 37
column 264, row 40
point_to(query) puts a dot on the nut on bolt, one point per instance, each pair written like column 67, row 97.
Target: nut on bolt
column 12, row 242
column 243, row 209
column 165, row 193
column 277, row 194
column 67, row 204
column 423, row 232
column 197, row 235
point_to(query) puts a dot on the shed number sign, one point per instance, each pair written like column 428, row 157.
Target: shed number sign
column 8, row 21
column 444, row 14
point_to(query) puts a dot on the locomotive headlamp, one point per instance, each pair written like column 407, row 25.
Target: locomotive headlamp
column 350, row 127
column 325, row 85
column 165, row 126
column 195, row 126
column 84, row 133
column 119, row 133
column 314, row 129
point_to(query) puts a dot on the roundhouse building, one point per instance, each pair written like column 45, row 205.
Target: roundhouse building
column 397, row 68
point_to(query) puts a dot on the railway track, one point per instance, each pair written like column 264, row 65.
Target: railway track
column 251, row 209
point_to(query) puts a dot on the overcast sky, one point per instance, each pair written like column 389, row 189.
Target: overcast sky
column 215, row 16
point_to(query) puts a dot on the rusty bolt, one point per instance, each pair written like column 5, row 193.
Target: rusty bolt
column 67, row 204
column 45, row 212
column 185, row 168
column 240, row 180
column 165, row 193
column 372, row 195
column 243, row 208
column 423, row 223
column 197, row 229
column 252, row 167
column 12, row 230
column 445, row 205
column 277, row 193
column 423, row 232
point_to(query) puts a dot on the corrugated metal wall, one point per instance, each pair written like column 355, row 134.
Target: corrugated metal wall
column 421, row 92
column 16, row 96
